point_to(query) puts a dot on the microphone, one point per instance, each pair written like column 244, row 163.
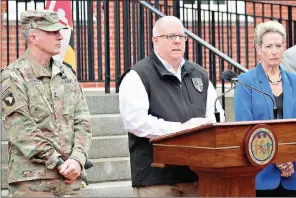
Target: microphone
column 230, row 76
column 217, row 114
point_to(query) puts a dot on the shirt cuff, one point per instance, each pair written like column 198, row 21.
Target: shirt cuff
column 78, row 156
column 173, row 127
column 52, row 161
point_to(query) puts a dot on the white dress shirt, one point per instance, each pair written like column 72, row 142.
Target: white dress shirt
column 134, row 105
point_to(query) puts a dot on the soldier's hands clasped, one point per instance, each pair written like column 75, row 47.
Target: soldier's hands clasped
column 71, row 169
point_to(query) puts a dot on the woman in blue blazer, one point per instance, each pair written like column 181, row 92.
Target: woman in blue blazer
column 276, row 179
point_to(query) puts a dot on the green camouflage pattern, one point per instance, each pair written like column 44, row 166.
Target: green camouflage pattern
column 45, row 188
column 42, row 121
column 46, row 20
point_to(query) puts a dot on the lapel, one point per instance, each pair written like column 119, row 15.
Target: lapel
column 287, row 91
column 264, row 86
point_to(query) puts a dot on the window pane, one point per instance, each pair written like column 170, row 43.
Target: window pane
column 188, row 2
column 194, row 1
column 219, row 1
column 29, row 1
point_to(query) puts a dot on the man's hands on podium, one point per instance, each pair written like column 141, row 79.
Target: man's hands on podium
column 195, row 122
column 287, row 168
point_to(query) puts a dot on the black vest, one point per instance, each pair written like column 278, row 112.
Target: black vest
column 172, row 101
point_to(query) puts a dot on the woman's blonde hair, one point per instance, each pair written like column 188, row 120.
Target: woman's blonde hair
column 266, row 27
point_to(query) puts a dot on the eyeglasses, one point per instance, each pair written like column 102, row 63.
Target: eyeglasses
column 173, row 37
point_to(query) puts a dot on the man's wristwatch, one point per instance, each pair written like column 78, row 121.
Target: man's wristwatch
column 59, row 161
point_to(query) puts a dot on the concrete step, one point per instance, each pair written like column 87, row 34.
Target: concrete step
column 109, row 189
column 101, row 147
column 107, row 124
column 229, row 111
column 104, row 189
column 109, row 146
column 110, row 169
column 102, row 103
column 105, row 169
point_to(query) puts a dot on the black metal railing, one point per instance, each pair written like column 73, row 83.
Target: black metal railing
column 111, row 36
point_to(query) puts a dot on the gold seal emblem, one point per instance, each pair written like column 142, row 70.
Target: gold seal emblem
column 261, row 145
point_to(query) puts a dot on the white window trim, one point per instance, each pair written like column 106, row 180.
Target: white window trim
column 31, row 6
column 214, row 7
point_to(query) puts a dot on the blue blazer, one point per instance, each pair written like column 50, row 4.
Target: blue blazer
column 252, row 105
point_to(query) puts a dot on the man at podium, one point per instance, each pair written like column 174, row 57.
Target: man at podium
column 163, row 94
column 277, row 180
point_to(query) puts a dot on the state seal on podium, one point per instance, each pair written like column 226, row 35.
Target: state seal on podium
column 260, row 145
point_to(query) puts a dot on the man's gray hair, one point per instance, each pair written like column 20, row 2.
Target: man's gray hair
column 266, row 27
column 26, row 34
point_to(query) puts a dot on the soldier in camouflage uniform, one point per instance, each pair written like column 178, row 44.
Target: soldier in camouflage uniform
column 45, row 115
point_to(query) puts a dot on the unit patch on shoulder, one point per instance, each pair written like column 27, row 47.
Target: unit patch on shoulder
column 8, row 98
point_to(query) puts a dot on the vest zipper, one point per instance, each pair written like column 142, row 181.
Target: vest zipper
column 184, row 100
column 189, row 95
column 181, row 87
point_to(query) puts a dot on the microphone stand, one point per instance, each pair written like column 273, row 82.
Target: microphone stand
column 217, row 114
column 235, row 80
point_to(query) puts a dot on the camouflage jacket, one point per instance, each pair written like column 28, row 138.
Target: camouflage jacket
column 39, row 132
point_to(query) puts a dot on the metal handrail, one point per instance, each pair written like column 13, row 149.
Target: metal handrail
column 199, row 40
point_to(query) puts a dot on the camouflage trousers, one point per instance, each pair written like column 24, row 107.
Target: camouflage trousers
column 45, row 188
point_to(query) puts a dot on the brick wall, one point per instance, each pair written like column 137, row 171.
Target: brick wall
column 13, row 41
column 267, row 8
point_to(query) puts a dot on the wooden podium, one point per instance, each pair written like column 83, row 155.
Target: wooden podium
column 227, row 156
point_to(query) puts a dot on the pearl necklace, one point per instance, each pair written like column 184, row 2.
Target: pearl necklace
column 276, row 82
